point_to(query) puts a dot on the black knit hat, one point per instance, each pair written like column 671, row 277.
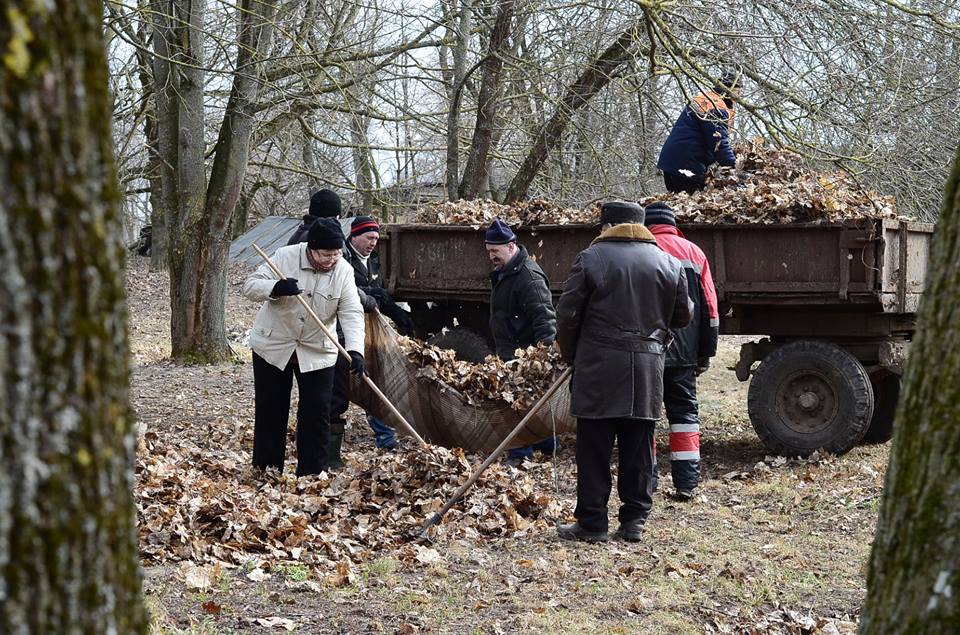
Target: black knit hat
column 499, row 233
column 325, row 233
column 659, row 213
column 362, row 225
column 619, row 212
column 728, row 82
column 325, row 204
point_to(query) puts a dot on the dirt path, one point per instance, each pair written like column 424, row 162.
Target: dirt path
column 769, row 546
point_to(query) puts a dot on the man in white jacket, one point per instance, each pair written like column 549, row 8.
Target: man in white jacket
column 287, row 342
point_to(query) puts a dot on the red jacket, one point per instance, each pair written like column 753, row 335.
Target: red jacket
column 696, row 342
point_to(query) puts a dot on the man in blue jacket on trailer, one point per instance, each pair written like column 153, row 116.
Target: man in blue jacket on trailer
column 700, row 137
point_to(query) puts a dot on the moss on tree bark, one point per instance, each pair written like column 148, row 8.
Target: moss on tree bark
column 68, row 550
column 914, row 577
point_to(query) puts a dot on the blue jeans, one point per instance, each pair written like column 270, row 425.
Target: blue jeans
column 385, row 435
column 547, row 446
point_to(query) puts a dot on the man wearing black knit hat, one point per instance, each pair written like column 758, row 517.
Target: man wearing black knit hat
column 360, row 252
column 701, row 137
column 689, row 353
column 619, row 303
column 323, row 204
column 521, row 309
column 287, row 343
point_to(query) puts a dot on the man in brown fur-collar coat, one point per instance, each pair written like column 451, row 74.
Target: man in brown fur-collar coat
column 619, row 303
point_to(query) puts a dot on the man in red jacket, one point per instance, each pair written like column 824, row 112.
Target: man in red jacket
column 689, row 354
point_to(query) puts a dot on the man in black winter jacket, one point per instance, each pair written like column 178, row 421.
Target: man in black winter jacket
column 323, row 204
column 621, row 300
column 521, row 309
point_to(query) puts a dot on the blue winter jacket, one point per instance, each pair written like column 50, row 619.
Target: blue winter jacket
column 699, row 137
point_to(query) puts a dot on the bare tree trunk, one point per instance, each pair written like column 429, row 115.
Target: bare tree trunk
column 914, row 576
column 589, row 83
column 475, row 172
column 68, row 550
column 200, row 214
column 464, row 27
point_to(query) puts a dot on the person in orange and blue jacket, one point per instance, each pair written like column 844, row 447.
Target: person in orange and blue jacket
column 700, row 137
column 690, row 351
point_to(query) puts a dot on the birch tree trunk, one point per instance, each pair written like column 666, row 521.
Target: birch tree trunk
column 914, row 577
column 68, row 550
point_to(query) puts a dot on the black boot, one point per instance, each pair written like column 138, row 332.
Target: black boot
column 335, row 462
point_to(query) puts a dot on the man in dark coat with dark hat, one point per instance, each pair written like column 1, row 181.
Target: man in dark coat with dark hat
column 521, row 309
column 619, row 303
column 323, row 204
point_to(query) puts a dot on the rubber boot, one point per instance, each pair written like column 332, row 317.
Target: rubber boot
column 335, row 462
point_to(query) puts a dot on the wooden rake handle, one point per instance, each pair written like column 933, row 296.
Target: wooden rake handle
column 436, row 518
column 343, row 351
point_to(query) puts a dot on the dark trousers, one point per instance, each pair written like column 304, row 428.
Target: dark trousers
column 678, row 183
column 595, row 439
column 272, row 388
column 340, row 395
column 683, row 413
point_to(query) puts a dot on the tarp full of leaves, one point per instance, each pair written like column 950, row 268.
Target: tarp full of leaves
column 769, row 185
column 458, row 404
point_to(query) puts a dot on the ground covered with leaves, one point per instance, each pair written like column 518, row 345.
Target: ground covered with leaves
column 769, row 545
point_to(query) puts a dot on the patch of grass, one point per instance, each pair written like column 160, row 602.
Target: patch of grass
column 294, row 572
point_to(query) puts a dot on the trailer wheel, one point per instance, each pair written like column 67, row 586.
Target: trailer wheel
column 808, row 395
column 886, row 394
column 469, row 345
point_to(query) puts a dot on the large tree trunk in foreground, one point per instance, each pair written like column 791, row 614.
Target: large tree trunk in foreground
column 914, row 578
column 68, row 550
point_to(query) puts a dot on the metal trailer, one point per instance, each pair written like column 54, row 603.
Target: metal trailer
column 833, row 306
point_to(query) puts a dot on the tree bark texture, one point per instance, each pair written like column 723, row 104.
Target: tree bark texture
column 475, row 171
column 589, row 83
column 199, row 214
column 463, row 31
column 68, row 550
column 914, row 576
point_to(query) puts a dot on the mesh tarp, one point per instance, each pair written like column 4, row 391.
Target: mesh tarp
column 439, row 413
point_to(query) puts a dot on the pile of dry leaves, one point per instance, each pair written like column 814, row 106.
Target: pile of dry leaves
column 204, row 505
column 519, row 382
column 483, row 212
column 768, row 185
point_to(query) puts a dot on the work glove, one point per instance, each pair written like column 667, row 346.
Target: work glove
column 702, row 366
column 401, row 318
column 356, row 363
column 382, row 295
column 287, row 286
column 368, row 302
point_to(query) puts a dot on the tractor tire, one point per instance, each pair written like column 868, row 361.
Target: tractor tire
column 809, row 395
column 469, row 345
column 886, row 394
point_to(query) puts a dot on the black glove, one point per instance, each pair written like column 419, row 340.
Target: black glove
column 702, row 366
column 380, row 294
column 401, row 318
column 356, row 363
column 368, row 302
column 287, row 286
